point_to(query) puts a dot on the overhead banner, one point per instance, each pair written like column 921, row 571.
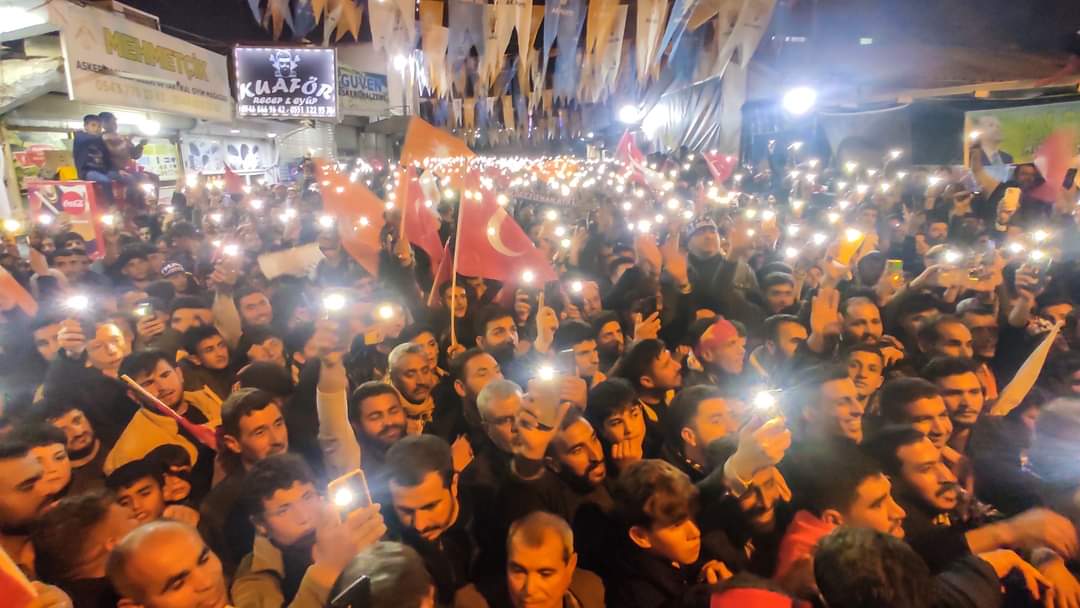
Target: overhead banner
column 361, row 93
column 286, row 82
column 651, row 16
column 466, row 25
column 114, row 62
column 567, row 65
column 1046, row 135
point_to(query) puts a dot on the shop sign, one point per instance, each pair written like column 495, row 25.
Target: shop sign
column 115, row 62
column 362, row 93
column 286, row 82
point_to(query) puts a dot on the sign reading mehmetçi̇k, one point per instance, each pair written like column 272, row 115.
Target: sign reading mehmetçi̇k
column 114, row 62
column 286, row 82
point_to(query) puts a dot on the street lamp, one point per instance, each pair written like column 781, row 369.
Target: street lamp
column 799, row 100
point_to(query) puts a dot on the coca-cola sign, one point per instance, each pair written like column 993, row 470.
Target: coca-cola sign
column 279, row 82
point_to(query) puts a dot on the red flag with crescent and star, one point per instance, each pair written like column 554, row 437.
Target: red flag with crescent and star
column 357, row 212
column 720, row 165
column 628, row 153
column 421, row 225
column 492, row 245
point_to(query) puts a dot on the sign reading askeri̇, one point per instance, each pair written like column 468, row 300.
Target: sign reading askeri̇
column 286, row 82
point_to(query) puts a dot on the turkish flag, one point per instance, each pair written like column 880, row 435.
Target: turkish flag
column 492, row 245
column 358, row 213
column 15, row 588
column 421, row 225
column 627, row 152
column 423, row 141
column 720, row 165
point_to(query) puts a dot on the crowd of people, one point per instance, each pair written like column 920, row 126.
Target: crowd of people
column 810, row 384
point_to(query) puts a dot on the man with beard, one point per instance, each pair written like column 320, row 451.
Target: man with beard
column 958, row 381
column 721, row 350
column 412, row 375
column 558, row 467
column 846, row 488
column 856, row 321
column 497, row 333
column 84, row 448
column 917, row 404
column 254, row 308
column 654, row 374
column 301, row 546
column 575, row 342
column 945, row 524
column 698, row 416
column 779, row 291
column 148, row 429
column 471, row 371
column 252, row 429
column 166, row 565
column 429, row 515
column 24, row 497
column 610, row 340
column 946, row 336
column 783, row 334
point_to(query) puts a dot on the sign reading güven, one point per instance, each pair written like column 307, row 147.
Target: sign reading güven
column 286, row 82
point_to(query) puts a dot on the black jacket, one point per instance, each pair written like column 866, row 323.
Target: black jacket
column 451, row 558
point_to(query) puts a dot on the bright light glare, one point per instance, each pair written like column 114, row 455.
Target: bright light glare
column 545, row 373
column 343, row 497
column 326, row 221
column 386, row 312
column 77, row 302
column 799, row 100
column 333, row 301
column 629, row 114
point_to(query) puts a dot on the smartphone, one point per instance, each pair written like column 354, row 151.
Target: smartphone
column 349, row 492
column 356, row 595
column 894, row 266
column 649, row 305
column 1070, row 179
column 143, row 308
column 1010, row 201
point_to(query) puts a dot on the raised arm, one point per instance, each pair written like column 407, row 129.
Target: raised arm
column 340, row 449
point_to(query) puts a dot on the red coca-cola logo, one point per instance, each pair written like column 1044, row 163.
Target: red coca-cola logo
column 73, row 200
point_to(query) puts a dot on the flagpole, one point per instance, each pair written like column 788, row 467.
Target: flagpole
column 453, row 275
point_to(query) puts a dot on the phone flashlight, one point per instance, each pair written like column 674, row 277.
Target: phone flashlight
column 528, row 277
column 45, row 219
column 256, row 203
column 12, row 225
column 386, row 312
column 326, row 221
column 108, row 219
column 216, row 218
column 231, row 250
column 852, row 235
column 819, row 238
column 765, row 403
column 333, row 302
column 545, row 373
column 791, row 253
column 1039, row 236
column 577, row 286
column 952, row 257
column 77, row 303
